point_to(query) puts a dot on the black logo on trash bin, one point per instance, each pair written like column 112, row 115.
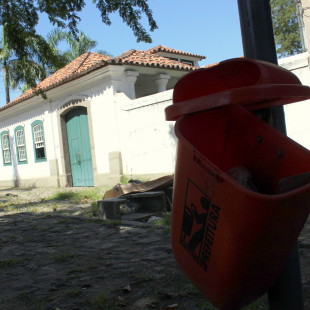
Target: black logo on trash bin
column 200, row 220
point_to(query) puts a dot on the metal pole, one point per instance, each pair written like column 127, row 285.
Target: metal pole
column 286, row 293
column 258, row 43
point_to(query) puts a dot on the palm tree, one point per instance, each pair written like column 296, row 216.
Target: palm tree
column 77, row 46
column 43, row 58
column 28, row 69
column 5, row 55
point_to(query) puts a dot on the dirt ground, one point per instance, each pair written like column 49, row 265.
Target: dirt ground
column 55, row 255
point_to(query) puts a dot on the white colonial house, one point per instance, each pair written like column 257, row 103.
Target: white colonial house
column 103, row 117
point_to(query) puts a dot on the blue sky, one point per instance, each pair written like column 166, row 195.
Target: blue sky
column 204, row 27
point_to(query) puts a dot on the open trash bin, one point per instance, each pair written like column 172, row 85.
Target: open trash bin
column 233, row 240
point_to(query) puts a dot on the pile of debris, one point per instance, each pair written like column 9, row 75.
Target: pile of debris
column 137, row 200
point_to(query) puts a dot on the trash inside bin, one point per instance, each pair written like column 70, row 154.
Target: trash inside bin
column 231, row 240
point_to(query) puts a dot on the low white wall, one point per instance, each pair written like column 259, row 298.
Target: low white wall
column 297, row 115
column 148, row 143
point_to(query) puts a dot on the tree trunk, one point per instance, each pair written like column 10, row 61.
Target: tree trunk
column 6, row 83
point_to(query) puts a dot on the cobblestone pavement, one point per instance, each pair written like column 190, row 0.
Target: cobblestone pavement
column 52, row 262
column 65, row 262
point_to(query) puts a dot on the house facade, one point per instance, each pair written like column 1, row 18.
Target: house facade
column 102, row 118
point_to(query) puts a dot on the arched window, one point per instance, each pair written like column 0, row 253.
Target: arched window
column 6, row 151
column 38, row 141
column 20, row 145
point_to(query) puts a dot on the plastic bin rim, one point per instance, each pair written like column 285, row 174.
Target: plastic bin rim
column 251, row 97
column 223, row 176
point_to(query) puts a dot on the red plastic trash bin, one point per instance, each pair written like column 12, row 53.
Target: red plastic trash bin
column 233, row 242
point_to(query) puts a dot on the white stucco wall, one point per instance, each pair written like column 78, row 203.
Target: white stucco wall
column 297, row 115
column 31, row 171
column 148, row 143
column 134, row 129
column 105, row 128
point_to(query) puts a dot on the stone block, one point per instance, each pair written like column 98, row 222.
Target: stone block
column 109, row 209
column 169, row 194
column 148, row 201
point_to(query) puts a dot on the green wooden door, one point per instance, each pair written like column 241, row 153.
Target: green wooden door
column 79, row 147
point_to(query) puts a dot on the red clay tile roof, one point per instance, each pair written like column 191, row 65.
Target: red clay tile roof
column 141, row 58
column 91, row 61
column 211, row 65
column 78, row 67
column 162, row 48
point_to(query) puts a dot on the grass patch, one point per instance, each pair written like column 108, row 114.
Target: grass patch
column 55, row 207
column 108, row 223
column 78, row 196
column 94, row 208
column 164, row 220
column 67, row 195
column 111, row 223
column 62, row 258
column 19, row 207
column 32, row 209
column 10, row 262
column 125, row 178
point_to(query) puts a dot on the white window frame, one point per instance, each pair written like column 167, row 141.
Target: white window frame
column 21, row 145
column 38, row 136
column 6, row 151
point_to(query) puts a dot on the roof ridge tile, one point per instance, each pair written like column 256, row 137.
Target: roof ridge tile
column 162, row 48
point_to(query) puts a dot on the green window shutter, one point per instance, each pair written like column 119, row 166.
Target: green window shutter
column 20, row 141
column 6, row 150
column 38, row 141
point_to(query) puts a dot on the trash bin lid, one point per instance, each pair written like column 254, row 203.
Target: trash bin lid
column 252, row 83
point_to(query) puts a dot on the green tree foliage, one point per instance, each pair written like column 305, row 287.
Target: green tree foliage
column 20, row 17
column 285, row 27
column 29, row 68
column 17, row 72
column 77, row 46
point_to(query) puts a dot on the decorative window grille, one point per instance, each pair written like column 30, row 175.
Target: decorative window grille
column 21, row 146
column 39, row 145
column 188, row 62
column 6, row 149
column 38, row 136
